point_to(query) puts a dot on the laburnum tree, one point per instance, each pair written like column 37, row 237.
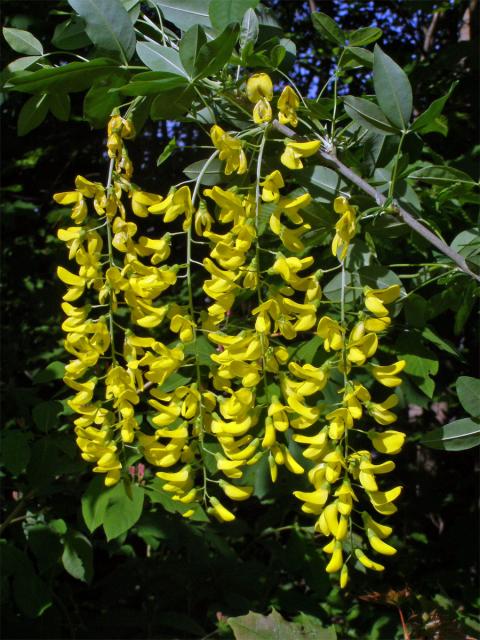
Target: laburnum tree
column 247, row 326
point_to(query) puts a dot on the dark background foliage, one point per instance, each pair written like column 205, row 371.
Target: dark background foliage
column 170, row 578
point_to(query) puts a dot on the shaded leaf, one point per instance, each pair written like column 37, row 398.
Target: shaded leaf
column 189, row 47
column 442, row 175
column 59, row 105
column 99, row 102
column 77, row 557
column 75, row 76
column 224, row 12
column 153, row 83
column 215, row 54
column 368, row 114
column 108, row 25
column 392, row 88
column 71, row 34
column 45, row 414
column 255, row 626
column 328, row 28
column 159, row 58
column 173, row 103
column 249, row 29
column 23, row 41
column 186, row 14
column 212, row 176
column 167, row 151
column 363, row 36
column 468, row 391
column 94, row 503
column 32, row 114
column 123, row 509
column 424, row 121
column 15, row 452
column 454, row 436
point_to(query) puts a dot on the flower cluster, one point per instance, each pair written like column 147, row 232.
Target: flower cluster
column 225, row 388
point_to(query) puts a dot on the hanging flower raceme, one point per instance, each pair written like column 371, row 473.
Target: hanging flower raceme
column 202, row 379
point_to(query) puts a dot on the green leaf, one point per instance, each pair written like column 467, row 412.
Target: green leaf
column 167, row 151
column 45, row 543
column 364, row 36
column 424, row 121
column 357, row 56
column 94, row 503
column 321, row 181
column 173, row 103
column 212, row 176
column 153, row 83
column 99, row 102
column 71, row 35
column 23, row 42
column 255, row 626
column 185, row 14
column 202, row 349
column 306, row 352
column 32, row 114
column 20, row 64
column 157, row 495
column 249, row 30
column 15, row 452
column 454, row 436
column 59, row 105
column 392, row 88
column 441, row 175
column 53, row 371
column 123, row 509
column 421, row 361
column 75, row 76
column 224, row 12
column 333, row 289
column 368, row 114
column 45, row 414
column 189, row 47
column 328, row 28
column 439, row 342
column 159, row 58
column 108, row 26
column 173, row 382
column 215, row 54
column 44, row 462
column 468, row 391
column 378, row 277
column 77, row 557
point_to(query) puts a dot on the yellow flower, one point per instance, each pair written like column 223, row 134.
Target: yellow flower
column 362, row 349
column 380, row 411
column 235, row 492
column 369, row 564
column 141, row 200
column 296, row 150
column 389, row 442
column 271, row 186
column 376, row 299
column 387, row 375
column 259, row 86
column 288, row 104
column 230, row 150
column 331, row 332
column 176, row 203
column 345, row 228
column 262, row 111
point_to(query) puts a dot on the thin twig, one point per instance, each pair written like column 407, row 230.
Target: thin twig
column 330, row 160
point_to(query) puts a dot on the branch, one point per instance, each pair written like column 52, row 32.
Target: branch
column 330, row 160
